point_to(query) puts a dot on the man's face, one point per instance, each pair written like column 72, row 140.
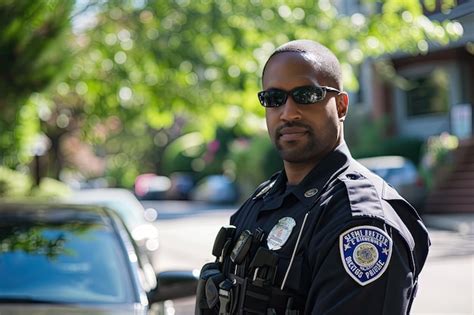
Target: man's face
column 302, row 133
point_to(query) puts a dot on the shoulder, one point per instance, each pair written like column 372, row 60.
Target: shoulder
column 359, row 193
column 368, row 194
column 363, row 189
column 368, row 198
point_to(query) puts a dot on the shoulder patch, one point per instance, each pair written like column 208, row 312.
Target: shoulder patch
column 365, row 253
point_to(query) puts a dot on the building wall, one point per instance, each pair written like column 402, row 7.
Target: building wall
column 454, row 63
column 446, row 63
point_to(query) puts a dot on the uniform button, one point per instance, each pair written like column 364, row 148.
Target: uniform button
column 311, row 192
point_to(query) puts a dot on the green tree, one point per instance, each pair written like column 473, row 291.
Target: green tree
column 33, row 52
column 147, row 64
column 201, row 60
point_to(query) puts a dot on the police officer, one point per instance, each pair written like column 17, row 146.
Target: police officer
column 324, row 235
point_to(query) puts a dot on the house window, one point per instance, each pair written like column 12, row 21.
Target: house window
column 428, row 94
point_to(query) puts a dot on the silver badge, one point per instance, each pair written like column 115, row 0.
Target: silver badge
column 311, row 192
column 280, row 233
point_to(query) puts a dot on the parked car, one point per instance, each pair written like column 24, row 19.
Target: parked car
column 137, row 219
column 218, row 189
column 181, row 186
column 402, row 174
column 71, row 259
column 150, row 186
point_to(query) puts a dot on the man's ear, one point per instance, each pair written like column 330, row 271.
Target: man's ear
column 342, row 102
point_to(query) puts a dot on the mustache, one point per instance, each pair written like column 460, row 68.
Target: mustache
column 293, row 124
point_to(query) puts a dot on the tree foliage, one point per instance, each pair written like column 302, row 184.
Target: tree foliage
column 33, row 52
column 145, row 64
column 171, row 58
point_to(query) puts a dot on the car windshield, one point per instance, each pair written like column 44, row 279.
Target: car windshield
column 70, row 262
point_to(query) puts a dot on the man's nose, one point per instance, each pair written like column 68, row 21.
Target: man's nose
column 290, row 110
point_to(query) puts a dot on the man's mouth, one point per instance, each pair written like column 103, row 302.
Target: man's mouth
column 292, row 133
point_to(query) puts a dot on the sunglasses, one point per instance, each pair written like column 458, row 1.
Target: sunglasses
column 302, row 95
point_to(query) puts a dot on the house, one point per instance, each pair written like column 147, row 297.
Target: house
column 433, row 93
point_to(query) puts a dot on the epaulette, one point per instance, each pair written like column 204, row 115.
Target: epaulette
column 264, row 188
column 364, row 197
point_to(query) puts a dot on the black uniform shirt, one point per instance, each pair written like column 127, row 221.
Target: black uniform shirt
column 372, row 270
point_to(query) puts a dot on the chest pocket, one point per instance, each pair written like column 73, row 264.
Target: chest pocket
column 294, row 279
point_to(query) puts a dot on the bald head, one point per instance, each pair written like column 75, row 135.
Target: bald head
column 324, row 61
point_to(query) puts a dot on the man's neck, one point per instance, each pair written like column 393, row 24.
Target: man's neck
column 296, row 172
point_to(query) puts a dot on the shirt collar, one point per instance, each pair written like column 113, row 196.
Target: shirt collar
column 313, row 184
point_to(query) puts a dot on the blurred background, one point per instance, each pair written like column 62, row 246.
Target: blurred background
column 158, row 97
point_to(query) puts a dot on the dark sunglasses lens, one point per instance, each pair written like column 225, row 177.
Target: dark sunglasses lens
column 272, row 98
column 308, row 94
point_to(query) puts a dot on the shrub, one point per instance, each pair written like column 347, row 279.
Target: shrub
column 255, row 161
column 407, row 147
column 16, row 185
column 437, row 158
column 13, row 183
column 50, row 188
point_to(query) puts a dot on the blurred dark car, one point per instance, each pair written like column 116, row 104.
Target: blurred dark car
column 139, row 221
column 66, row 259
column 150, row 186
column 402, row 174
column 181, row 186
column 217, row 189
column 177, row 186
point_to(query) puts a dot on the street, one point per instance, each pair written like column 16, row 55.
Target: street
column 446, row 284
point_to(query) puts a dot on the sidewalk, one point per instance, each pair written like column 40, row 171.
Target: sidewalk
column 462, row 223
column 446, row 283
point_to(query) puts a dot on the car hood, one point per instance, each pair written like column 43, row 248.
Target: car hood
column 40, row 309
